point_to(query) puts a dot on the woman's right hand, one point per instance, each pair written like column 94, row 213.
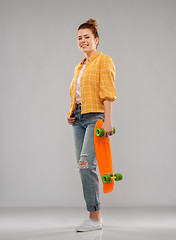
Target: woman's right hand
column 71, row 120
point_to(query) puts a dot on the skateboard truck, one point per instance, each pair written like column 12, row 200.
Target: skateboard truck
column 109, row 176
column 100, row 131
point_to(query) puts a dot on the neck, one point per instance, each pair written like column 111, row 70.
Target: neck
column 89, row 54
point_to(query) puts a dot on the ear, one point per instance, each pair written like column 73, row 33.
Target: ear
column 97, row 40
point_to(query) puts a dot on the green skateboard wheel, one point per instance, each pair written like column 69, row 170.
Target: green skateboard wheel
column 106, row 178
column 118, row 176
column 100, row 131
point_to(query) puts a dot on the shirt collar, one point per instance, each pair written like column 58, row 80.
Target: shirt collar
column 91, row 58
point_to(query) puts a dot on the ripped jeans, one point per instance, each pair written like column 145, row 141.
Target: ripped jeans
column 83, row 134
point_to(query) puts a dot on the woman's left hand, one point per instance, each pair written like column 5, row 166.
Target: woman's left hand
column 108, row 129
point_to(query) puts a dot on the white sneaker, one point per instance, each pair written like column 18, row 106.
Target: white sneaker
column 90, row 224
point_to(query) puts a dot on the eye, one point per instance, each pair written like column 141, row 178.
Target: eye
column 81, row 38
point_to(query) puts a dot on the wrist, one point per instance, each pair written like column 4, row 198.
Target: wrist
column 107, row 120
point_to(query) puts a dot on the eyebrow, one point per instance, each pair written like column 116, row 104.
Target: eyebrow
column 84, row 35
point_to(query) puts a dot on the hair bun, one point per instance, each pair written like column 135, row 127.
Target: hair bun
column 93, row 22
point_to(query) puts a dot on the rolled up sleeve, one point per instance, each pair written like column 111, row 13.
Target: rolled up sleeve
column 107, row 79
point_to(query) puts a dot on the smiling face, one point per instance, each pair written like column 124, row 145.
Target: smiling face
column 86, row 41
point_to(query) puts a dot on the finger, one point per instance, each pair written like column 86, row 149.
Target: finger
column 71, row 120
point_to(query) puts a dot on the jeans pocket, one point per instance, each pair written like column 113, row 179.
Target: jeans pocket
column 93, row 118
column 100, row 116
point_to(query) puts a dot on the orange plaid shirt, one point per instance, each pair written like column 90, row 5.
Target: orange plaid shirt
column 96, row 84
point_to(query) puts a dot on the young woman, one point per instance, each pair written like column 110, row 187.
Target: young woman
column 92, row 91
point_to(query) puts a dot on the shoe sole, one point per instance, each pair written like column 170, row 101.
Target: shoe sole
column 88, row 230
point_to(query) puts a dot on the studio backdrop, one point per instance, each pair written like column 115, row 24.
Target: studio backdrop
column 38, row 54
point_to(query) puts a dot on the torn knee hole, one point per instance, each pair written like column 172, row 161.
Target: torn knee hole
column 82, row 165
column 83, row 155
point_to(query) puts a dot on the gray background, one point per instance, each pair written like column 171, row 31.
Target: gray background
column 38, row 54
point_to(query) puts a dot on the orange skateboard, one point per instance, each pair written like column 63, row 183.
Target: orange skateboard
column 104, row 158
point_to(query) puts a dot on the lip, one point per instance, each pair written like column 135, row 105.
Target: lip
column 83, row 46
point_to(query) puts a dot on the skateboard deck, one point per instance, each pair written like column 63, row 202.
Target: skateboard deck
column 104, row 159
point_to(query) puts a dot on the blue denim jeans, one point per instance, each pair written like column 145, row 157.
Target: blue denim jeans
column 83, row 135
